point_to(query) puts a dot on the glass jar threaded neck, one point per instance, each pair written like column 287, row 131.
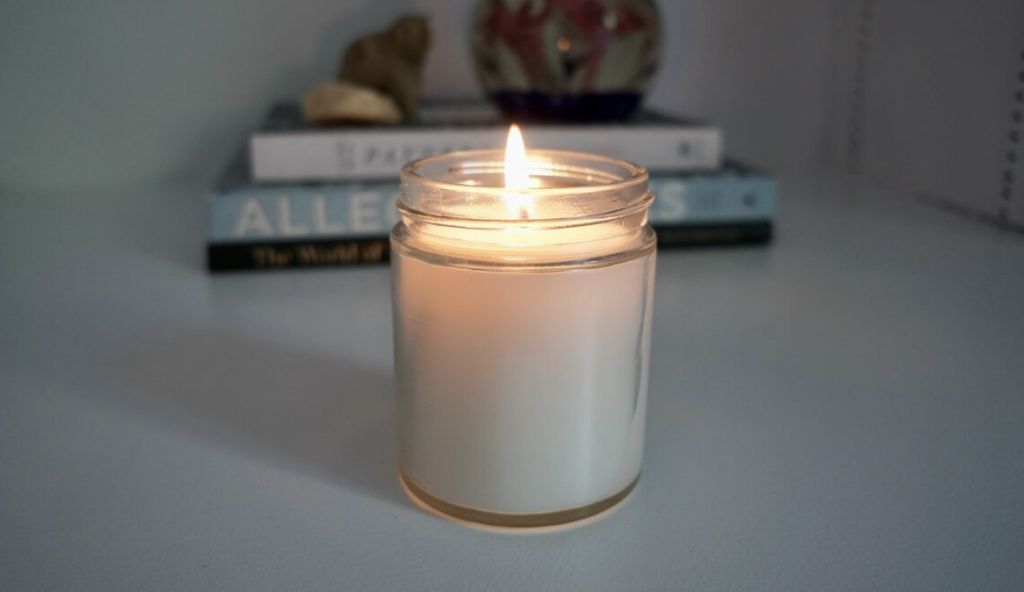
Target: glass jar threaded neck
column 581, row 209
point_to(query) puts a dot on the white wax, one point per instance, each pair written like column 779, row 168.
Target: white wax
column 522, row 392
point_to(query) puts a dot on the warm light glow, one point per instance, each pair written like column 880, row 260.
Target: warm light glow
column 517, row 175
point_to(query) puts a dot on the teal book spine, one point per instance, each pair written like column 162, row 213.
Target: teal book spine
column 251, row 213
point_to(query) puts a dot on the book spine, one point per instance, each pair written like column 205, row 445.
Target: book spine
column 707, row 235
column 379, row 154
column 338, row 252
column 261, row 214
column 255, row 214
column 711, row 198
column 297, row 254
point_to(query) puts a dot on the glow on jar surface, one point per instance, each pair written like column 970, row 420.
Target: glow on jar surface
column 522, row 330
column 522, row 392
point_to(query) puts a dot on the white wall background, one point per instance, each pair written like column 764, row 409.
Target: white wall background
column 114, row 92
column 925, row 97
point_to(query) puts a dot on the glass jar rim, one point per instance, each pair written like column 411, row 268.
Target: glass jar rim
column 594, row 168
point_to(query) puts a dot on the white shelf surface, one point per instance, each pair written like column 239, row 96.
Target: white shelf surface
column 841, row 411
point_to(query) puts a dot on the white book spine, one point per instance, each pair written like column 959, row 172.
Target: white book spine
column 349, row 156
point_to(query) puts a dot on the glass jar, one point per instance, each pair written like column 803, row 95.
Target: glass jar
column 522, row 329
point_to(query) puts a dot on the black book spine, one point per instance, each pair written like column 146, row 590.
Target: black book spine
column 297, row 254
column 714, row 235
column 337, row 252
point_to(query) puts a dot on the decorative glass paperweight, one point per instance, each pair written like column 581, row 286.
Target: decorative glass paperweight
column 566, row 60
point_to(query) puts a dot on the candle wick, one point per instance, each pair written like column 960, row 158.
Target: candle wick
column 523, row 214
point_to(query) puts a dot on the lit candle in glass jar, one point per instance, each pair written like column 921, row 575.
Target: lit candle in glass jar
column 522, row 302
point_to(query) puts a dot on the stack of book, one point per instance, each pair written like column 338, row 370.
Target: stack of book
column 311, row 197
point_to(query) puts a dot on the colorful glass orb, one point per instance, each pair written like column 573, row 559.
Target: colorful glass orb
column 566, row 60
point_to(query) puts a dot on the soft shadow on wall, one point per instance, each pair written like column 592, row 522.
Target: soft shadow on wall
column 757, row 69
column 118, row 93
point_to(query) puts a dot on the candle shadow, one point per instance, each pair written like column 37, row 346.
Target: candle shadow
column 306, row 410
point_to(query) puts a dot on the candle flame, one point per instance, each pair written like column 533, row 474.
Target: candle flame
column 517, row 175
